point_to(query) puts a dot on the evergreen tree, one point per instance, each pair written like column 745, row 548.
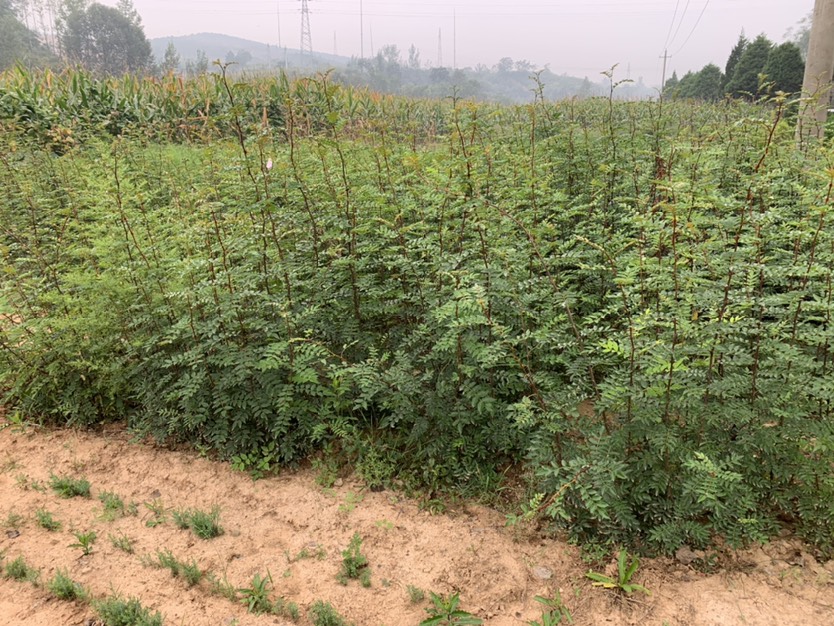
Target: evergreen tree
column 669, row 89
column 785, row 68
column 686, row 86
column 735, row 57
column 709, row 84
column 745, row 78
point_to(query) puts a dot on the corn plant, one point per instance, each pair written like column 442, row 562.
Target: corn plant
column 626, row 568
column 445, row 611
column 85, row 541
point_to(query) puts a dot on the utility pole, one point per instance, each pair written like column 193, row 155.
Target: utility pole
column 819, row 70
column 306, row 38
column 361, row 31
column 439, row 47
column 665, row 58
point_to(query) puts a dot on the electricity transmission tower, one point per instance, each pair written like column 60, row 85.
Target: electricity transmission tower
column 306, row 38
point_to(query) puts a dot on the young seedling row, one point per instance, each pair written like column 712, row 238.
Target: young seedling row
column 628, row 305
column 259, row 596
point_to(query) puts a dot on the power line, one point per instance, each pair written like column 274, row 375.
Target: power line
column 680, row 23
column 672, row 25
column 698, row 21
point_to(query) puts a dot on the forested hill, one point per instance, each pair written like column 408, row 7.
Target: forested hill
column 393, row 71
column 244, row 52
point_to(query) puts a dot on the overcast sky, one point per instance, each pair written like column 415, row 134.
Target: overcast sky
column 576, row 37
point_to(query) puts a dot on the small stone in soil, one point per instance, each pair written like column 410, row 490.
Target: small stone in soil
column 686, row 555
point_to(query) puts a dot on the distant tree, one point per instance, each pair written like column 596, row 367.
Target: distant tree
column 801, row 34
column 390, row 54
column 709, row 84
column 197, row 66
column 670, row 87
column 745, row 80
column 18, row 44
column 126, row 8
column 785, row 68
column 439, row 75
column 505, row 65
column 585, row 89
column 240, row 58
column 103, row 39
column 686, row 86
column 735, row 57
column 385, row 72
column 171, row 60
column 524, row 66
column 413, row 58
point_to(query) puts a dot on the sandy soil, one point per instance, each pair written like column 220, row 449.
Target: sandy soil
column 269, row 522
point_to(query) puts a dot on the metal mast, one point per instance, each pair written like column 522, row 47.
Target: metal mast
column 278, row 13
column 306, row 38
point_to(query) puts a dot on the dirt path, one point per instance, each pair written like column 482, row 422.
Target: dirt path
column 271, row 524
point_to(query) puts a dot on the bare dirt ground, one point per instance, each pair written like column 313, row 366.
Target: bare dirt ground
column 269, row 522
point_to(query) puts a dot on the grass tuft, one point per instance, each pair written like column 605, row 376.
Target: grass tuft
column 67, row 487
column 323, row 614
column 190, row 572
column 122, row 542
column 45, row 520
column 115, row 507
column 204, row 525
column 13, row 520
column 65, row 588
column 21, row 571
column 222, row 588
column 118, row 611
column 415, row 594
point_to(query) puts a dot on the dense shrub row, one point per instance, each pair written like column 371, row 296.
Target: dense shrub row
column 634, row 300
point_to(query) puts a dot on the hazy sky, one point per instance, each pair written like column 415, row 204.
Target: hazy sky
column 577, row 37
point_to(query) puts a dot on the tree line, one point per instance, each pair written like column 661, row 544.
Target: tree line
column 752, row 67
column 107, row 40
column 111, row 41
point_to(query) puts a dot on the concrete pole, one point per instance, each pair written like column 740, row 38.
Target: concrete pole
column 819, row 70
